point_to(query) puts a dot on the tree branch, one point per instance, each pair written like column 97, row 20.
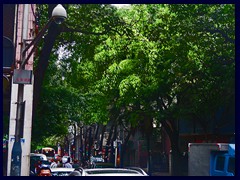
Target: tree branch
column 67, row 29
column 79, row 30
column 224, row 35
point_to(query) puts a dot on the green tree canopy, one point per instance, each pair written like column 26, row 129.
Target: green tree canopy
column 158, row 61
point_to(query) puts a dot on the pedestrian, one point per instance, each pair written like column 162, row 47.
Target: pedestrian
column 106, row 159
column 67, row 164
column 76, row 164
column 53, row 163
column 38, row 166
column 45, row 171
column 60, row 163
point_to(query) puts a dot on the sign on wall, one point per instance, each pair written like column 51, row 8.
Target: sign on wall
column 21, row 76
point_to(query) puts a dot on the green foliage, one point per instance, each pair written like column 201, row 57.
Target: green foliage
column 176, row 59
column 59, row 106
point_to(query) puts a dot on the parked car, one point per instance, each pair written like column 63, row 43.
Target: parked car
column 138, row 169
column 106, row 172
column 34, row 159
column 61, row 171
column 38, row 156
column 103, row 165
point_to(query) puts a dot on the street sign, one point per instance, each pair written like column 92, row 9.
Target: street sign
column 21, row 76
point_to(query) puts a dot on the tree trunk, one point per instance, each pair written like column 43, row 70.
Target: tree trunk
column 112, row 156
column 102, row 137
column 124, row 146
column 66, row 145
column 49, row 40
column 177, row 163
column 149, row 162
column 95, row 140
column 74, row 141
column 109, row 141
column 81, row 143
column 173, row 134
column 90, row 142
column 85, row 143
column 96, row 133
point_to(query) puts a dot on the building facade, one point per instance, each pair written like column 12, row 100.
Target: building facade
column 18, row 29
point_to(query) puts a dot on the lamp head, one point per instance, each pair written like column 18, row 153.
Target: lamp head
column 59, row 14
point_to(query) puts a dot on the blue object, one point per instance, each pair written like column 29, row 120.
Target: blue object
column 16, row 159
column 223, row 162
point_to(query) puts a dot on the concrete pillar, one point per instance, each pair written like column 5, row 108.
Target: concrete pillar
column 27, row 132
column 12, row 124
column 25, row 23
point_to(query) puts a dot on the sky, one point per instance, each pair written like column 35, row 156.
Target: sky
column 120, row 5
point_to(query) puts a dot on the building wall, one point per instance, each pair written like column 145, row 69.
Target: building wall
column 8, row 53
column 8, row 20
column 25, row 23
column 220, row 129
column 25, row 30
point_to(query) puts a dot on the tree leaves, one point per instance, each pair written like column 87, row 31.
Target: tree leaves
column 173, row 59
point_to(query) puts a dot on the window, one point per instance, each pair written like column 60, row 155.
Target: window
column 231, row 165
column 220, row 163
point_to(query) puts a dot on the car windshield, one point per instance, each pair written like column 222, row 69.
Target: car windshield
column 103, row 165
column 108, row 171
column 61, row 171
column 38, row 157
column 137, row 169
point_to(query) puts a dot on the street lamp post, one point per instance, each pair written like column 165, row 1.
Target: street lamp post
column 58, row 16
column 23, row 77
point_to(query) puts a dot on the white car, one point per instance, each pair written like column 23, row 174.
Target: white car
column 38, row 156
column 138, row 169
column 34, row 159
column 61, row 171
column 107, row 172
